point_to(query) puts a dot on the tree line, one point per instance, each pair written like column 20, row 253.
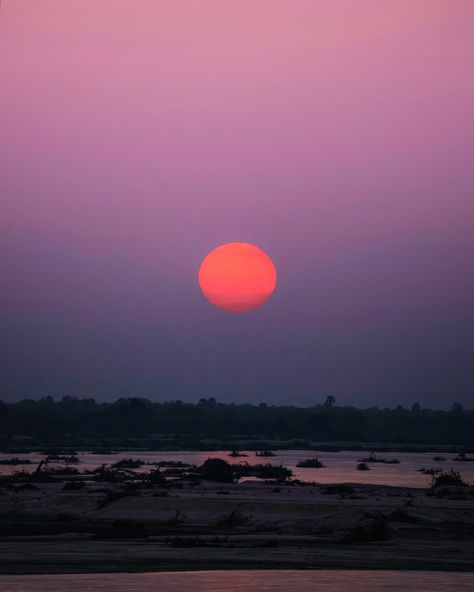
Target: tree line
column 137, row 417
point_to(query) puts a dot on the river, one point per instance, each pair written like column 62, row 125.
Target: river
column 246, row 581
column 339, row 467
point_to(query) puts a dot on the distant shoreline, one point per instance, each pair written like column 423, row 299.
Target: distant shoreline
column 20, row 446
column 136, row 423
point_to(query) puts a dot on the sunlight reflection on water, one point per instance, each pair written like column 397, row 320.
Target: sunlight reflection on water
column 244, row 580
column 339, row 467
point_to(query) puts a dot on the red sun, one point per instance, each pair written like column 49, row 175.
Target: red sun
column 237, row 277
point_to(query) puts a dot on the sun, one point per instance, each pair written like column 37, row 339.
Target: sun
column 237, row 277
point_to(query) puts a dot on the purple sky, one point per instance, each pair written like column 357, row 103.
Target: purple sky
column 337, row 136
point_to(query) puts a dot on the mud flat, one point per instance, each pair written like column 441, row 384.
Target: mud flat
column 110, row 527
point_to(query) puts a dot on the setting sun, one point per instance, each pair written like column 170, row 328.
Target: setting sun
column 237, row 277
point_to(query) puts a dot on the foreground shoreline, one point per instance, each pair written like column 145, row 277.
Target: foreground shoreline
column 100, row 528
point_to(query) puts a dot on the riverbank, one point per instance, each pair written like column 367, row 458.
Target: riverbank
column 106, row 527
column 26, row 444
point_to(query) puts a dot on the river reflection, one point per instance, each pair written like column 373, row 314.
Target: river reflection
column 339, row 467
column 248, row 581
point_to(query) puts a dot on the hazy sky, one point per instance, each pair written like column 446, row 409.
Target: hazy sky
column 338, row 136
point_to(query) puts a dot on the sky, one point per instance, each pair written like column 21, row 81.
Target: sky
column 136, row 136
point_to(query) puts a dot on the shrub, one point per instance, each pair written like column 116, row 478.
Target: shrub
column 128, row 463
column 267, row 471
column 61, row 471
column 108, row 474
column 448, row 478
column 15, row 461
column 156, row 477
column 216, row 469
column 68, row 459
column 310, row 463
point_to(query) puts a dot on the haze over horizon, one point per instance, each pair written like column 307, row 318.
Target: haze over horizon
column 138, row 136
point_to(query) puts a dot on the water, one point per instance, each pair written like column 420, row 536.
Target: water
column 340, row 466
column 248, row 581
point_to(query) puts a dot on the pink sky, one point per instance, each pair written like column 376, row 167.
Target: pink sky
column 138, row 135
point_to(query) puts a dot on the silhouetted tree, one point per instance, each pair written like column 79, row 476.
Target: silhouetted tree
column 330, row 401
column 87, row 421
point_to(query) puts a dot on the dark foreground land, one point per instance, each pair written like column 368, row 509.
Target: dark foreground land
column 56, row 527
column 116, row 519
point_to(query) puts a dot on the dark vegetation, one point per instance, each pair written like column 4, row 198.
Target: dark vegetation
column 216, row 469
column 105, row 426
column 373, row 458
column 68, row 459
column 461, row 457
column 310, row 463
column 15, row 461
column 128, row 463
column 163, row 474
column 449, row 478
column 267, row 471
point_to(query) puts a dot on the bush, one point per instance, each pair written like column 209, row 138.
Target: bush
column 268, row 471
column 310, row 463
column 110, row 475
column 61, row 471
column 448, row 478
column 15, row 461
column 68, row 459
column 128, row 463
column 216, row 469
column 156, row 477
